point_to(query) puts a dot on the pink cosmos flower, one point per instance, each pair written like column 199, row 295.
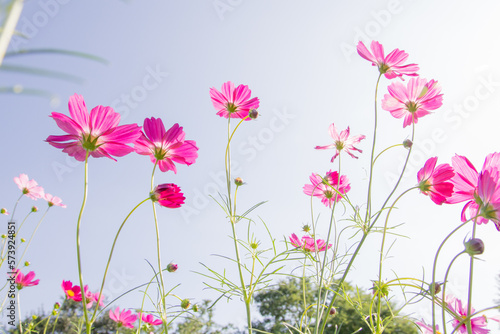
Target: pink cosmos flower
column 54, row 200
column 233, row 102
column 325, row 189
column 467, row 182
column 92, row 297
column 390, row 66
column 427, row 329
column 72, row 291
column 149, row 319
column 168, row 195
column 478, row 324
column 123, row 318
column 97, row 132
column 307, row 243
column 23, row 281
column 29, row 187
column 413, row 101
column 435, row 181
column 342, row 142
column 165, row 147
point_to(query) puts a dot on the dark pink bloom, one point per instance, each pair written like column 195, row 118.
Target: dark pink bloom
column 168, row 195
column 72, row 291
column 29, row 187
column 233, row 102
column 391, row 66
column 478, row 324
column 54, row 200
column 97, row 132
column 413, row 101
column 427, row 329
column 342, row 142
column 166, row 147
column 325, row 189
column 23, row 281
column 123, row 318
column 307, row 243
column 149, row 319
column 436, row 181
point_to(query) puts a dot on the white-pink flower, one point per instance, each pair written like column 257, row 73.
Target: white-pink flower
column 29, row 187
column 342, row 142
column 54, row 200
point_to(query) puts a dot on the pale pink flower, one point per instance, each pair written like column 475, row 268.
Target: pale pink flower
column 413, row 101
column 165, row 147
column 149, row 319
column 123, row 318
column 72, row 291
column 54, row 200
column 233, row 102
column 325, row 189
column 29, row 187
column 342, row 142
column 436, row 181
column 92, row 297
column 168, row 195
column 478, row 324
column 23, row 281
column 307, row 243
column 426, row 329
column 97, row 132
column 390, row 66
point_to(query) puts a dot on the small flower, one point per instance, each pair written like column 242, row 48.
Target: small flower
column 97, row 132
column 478, row 324
column 123, row 318
column 168, row 195
column 165, row 147
column 307, row 243
column 172, row 267
column 23, row 281
column 415, row 100
column 238, row 181
column 185, row 303
column 427, row 329
column 342, row 142
column 4, row 211
column 233, row 102
column 436, row 181
column 72, row 291
column 29, row 187
column 327, row 188
column 474, row 246
column 34, row 209
column 54, row 200
column 390, row 66
column 149, row 319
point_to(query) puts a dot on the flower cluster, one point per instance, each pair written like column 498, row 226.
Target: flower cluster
column 74, row 292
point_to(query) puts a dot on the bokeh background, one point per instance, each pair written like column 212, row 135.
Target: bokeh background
column 299, row 58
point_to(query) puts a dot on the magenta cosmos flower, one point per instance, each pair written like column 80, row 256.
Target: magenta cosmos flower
column 480, row 190
column 97, row 132
column 391, row 66
column 325, row 189
column 307, row 243
column 168, row 195
column 478, row 324
column 73, row 292
column 29, row 187
column 149, row 319
column 123, row 318
column 436, row 181
column 233, row 102
column 54, row 200
column 427, row 329
column 23, row 281
column 342, row 142
column 413, row 101
column 166, row 147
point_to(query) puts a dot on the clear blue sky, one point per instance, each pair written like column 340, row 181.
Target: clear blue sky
column 299, row 58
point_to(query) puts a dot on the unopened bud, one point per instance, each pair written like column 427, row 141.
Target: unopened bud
column 407, row 143
column 34, row 209
column 306, row 228
column 254, row 245
column 185, row 304
column 4, row 211
column 238, row 181
column 34, row 316
column 57, row 306
column 474, row 246
column 54, row 312
column 27, row 263
column 23, row 240
column 253, row 113
column 195, row 308
column 172, row 267
column 333, row 311
column 4, row 236
column 436, row 286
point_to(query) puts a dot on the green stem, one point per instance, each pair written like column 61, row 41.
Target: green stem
column 10, row 26
column 469, row 295
column 32, row 235
column 433, row 284
column 19, row 312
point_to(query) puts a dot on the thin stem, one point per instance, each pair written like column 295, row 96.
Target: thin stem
column 32, row 235
column 471, row 273
column 433, row 284
column 19, row 312
column 10, row 26
column 15, row 207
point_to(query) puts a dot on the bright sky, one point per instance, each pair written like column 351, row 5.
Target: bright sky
column 299, row 58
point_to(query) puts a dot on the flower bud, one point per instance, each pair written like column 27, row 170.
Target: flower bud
column 195, row 308
column 306, row 228
column 23, row 240
column 4, row 211
column 54, row 312
column 333, row 311
column 185, row 304
column 4, row 236
column 172, row 267
column 253, row 113
column 34, row 316
column 254, row 245
column 34, row 209
column 238, row 181
column 57, row 306
column 437, row 287
column 474, row 246
column 407, row 143
column 27, row 263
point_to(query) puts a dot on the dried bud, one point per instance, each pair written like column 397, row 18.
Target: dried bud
column 474, row 246
column 407, row 143
column 238, row 181
column 34, row 209
column 333, row 311
column 172, row 267
column 253, row 113
column 185, row 304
